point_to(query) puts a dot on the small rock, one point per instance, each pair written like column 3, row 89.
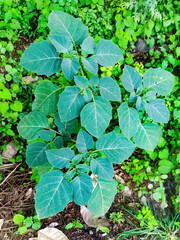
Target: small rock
column 1, row 223
column 141, row 46
column 104, row 234
column 163, row 205
column 91, row 232
column 88, row 218
column 127, row 192
column 29, row 79
column 51, row 234
column 10, row 152
column 53, row 224
column 143, row 199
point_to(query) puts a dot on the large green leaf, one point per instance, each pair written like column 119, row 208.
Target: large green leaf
column 84, row 141
column 103, row 168
column 128, row 120
column 41, row 58
column 66, row 25
column 107, row 53
column 47, row 135
column 158, row 111
column 31, row 124
column 65, row 127
column 81, row 82
column 70, row 67
column 46, row 98
column 70, row 103
column 95, row 116
column 61, row 43
column 148, row 136
column 90, row 64
column 159, row 80
column 102, row 197
column 60, row 158
column 53, row 193
column 35, row 154
column 88, row 45
column 82, row 189
column 45, row 168
column 109, row 89
column 115, row 147
column 131, row 79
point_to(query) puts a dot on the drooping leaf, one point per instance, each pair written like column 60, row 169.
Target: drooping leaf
column 107, row 53
column 103, row 168
column 46, row 98
column 132, row 97
column 70, row 67
column 35, row 154
column 102, row 197
column 159, row 80
column 147, row 136
column 140, row 103
column 150, row 95
column 66, row 25
column 70, row 103
column 128, row 120
column 95, row 116
column 41, row 58
column 61, row 43
column 31, row 124
column 45, row 168
column 115, row 147
column 47, row 135
column 109, row 89
column 58, row 142
column 53, row 193
column 60, row 158
column 81, row 82
column 84, row 141
column 157, row 111
column 88, row 45
column 82, row 189
column 131, row 79
column 88, row 95
column 65, row 127
column 90, row 64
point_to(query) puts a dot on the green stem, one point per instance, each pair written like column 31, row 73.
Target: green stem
column 81, row 69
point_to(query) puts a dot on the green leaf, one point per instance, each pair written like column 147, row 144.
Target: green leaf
column 95, row 116
column 107, row 53
column 88, row 45
column 82, row 188
column 109, row 89
column 131, row 79
column 18, row 219
column 128, row 120
column 22, row 230
column 35, row 154
column 147, row 136
column 140, row 103
column 65, row 127
column 102, row 197
column 66, row 25
column 61, row 43
column 58, row 142
column 53, row 193
column 5, row 93
column 36, row 225
column 159, row 80
column 115, row 147
column 70, row 67
column 103, row 168
column 16, row 106
column 4, row 106
column 70, row 103
column 60, row 158
column 45, row 168
column 47, row 135
column 41, row 58
column 165, row 166
column 163, row 154
column 88, row 95
column 90, row 64
column 81, row 82
column 46, row 98
column 31, row 124
column 157, row 111
column 150, row 95
column 84, row 141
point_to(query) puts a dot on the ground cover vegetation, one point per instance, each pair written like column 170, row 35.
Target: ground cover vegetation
column 146, row 35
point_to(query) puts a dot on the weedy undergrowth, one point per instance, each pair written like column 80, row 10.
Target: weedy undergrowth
column 86, row 114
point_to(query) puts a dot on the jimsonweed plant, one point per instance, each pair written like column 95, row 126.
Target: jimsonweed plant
column 83, row 115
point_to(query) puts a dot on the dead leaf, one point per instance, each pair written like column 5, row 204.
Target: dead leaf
column 51, row 234
column 10, row 152
column 1, row 223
